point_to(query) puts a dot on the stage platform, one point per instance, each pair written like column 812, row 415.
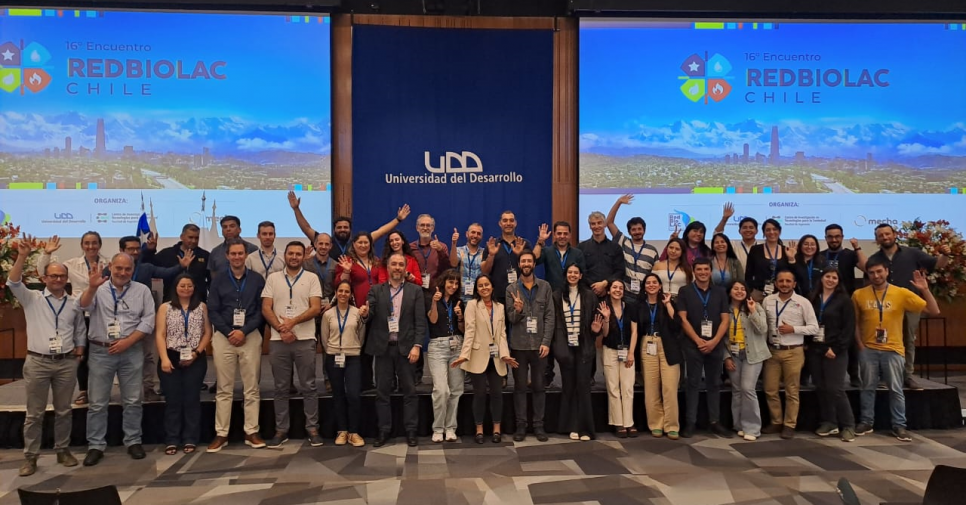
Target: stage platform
column 935, row 406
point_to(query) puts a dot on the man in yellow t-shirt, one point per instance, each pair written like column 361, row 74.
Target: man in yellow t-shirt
column 879, row 311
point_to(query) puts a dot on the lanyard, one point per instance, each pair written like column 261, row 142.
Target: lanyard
column 319, row 270
column 704, row 298
column 637, row 254
column 821, row 307
column 368, row 269
column 119, row 298
column 572, row 306
column 291, row 284
column 620, row 323
column 829, row 257
column 778, row 313
column 392, row 297
column 341, row 247
column 721, row 271
column 268, row 265
column 653, row 310
column 507, row 248
column 880, row 303
column 471, row 260
column 425, row 255
column 745, row 248
column 490, row 308
column 670, row 275
column 449, row 315
column 56, row 312
column 97, row 263
column 734, row 323
column 529, row 294
column 186, row 315
column 772, row 259
column 809, row 270
column 342, row 322
column 563, row 260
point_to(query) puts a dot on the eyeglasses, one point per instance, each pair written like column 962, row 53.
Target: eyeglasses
column 56, row 277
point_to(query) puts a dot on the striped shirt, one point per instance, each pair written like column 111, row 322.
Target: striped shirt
column 638, row 261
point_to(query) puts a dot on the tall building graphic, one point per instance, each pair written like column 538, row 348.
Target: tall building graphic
column 99, row 141
column 773, row 156
column 67, row 151
column 744, row 158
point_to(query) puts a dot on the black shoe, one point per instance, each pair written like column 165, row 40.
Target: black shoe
column 855, row 383
column 136, row 451
column 541, row 435
column 213, row 389
column 520, row 435
column 381, row 440
column 911, row 383
column 497, row 438
column 479, row 438
column 94, row 457
column 687, row 431
column 411, row 439
column 204, row 386
column 719, row 430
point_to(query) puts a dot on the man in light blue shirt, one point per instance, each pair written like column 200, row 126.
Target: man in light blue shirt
column 122, row 314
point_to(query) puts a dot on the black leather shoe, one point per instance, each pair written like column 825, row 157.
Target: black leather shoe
column 381, row 440
column 411, row 439
column 520, row 435
column 540, row 434
column 94, row 457
column 136, row 451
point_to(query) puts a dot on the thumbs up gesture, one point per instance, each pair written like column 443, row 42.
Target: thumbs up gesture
column 438, row 295
column 456, row 236
column 364, row 311
column 435, row 243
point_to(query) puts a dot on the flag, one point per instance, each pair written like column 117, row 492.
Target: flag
column 143, row 228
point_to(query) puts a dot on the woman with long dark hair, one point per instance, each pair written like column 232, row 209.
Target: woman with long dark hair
column 807, row 265
column 342, row 336
column 693, row 242
column 182, row 332
column 360, row 267
column 617, row 338
column 765, row 261
column 829, row 355
column 747, row 351
column 725, row 267
column 661, row 358
column 396, row 242
column 573, row 347
column 446, row 325
column 674, row 271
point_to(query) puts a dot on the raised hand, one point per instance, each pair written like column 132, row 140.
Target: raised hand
column 855, row 242
column 152, row 243
column 676, row 232
column 186, row 260
column 626, row 199
column 920, row 281
column 604, row 310
column 518, row 245
column 96, row 277
column 790, row 249
column 492, row 246
column 435, row 243
column 458, row 311
column 24, row 246
column 597, row 324
column 438, row 295
column 456, row 236
column 667, row 298
column 728, row 210
column 403, row 212
column 293, row 200
column 346, row 263
column 517, row 302
column 543, row 233
column 751, row 304
column 52, row 245
column 364, row 311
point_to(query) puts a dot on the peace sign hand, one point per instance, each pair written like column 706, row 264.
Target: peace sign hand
column 517, row 302
column 676, row 232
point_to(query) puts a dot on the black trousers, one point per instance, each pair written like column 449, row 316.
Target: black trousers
column 346, row 392
column 829, row 378
column 576, row 409
column 388, row 365
column 480, row 381
column 533, row 365
column 82, row 371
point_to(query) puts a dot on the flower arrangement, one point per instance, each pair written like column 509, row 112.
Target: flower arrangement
column 935, row 238
column 10, row 239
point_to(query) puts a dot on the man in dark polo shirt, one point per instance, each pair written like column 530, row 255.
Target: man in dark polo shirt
column 501, row 257
column 171, row 256
column 903, row 262
column 705, row 316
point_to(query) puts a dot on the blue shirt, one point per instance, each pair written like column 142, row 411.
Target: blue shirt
column 135, row 311
column 224, row 297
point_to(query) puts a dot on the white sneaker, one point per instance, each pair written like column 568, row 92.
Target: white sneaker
column 741, row 433
column 750, row 438
column 451, row 436
column 574, row 436
column 437, row 438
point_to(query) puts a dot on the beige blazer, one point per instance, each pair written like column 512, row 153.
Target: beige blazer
column 479, row 336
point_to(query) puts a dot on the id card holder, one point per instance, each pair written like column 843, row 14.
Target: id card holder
column 775, row 340
column 289, row 312
column 735, row 349
column 425, row 281
column 820, row 336
column 769, row 288
column 238, row 318
column 573, row 339
column 184, row 354
column 453, row 342
column 393, row 324
column 621, row 353
column 833, row 264
column 340, row 360
column 881, row 335
column 635, row 286
column 55, row 345
column 511, row 275
column 468, row 288
column 494, row 350
column 531, row 324
column 114, row 330
column 706, row 329
column 651, row 348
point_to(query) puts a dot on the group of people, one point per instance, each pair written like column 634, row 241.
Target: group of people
column 472, row 313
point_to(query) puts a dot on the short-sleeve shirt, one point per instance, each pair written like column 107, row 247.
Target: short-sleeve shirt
column 638, row 261
column 904, row 262
column 305, row 285
column 620, row 333
column 895, row 303
column 690, row 301
column 265, row 264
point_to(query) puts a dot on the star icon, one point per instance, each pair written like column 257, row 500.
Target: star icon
column 7, row 55
column 693, row 66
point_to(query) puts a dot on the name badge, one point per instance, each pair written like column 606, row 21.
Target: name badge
column 621, row 353
column 425, row 281
column 185, row 353
column 55, row 345
column 531, row 324
column 114, row 330
column 393, row 324
column 706, row 329
column 635, row 286
column 511, row 275
column 340, row 360
column 289, row 312
column 468, row 288
column 494, row 350
column 453, row 342
column 651, row 348
column 833, row 264
column 573, row 339
column 881, row 335
column 735, row 349
column 238, row 318
column 775, row 340
column 820, row 336
column 769, row 288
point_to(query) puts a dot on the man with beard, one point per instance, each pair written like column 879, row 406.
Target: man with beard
column 531, row 316
column 395, row 312
column 501, row 257
column 468, row 260
column 290, row 302
column 903, row 262
column 639, row 256
column 555, row 267
column 431, row 255
column 342, row 226
column 230, row 228
column 174, row 255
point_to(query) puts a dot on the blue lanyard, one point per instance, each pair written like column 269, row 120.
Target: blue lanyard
column 186, row 315
column 319, row 270
column 721, row 271
column 620, row 323
column 267, row 266
column 342, row 322
column 392, row 297
column 471, row 260
column 529, row 294
column 670, row 275
column 119, row 298
column 705, row 299
column 368, row 270
column 507, row 248
column 809, row 268
column 98, row 263
column 821, row 307
column 573, row 307
column 653, row 310
column 745, row 248
column 56, row 312
column 637, row 254
column 734, row 322
column 292, row 283
column 828, row 255
column 563, row 260
column 778, row 313
column 449, row 316
column 425, row 255
column 341, row 247
column 880, row 303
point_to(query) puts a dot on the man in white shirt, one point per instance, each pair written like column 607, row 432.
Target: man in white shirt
column 290, row 301
column 790, row 318
column 265, row 260
column 56, row 337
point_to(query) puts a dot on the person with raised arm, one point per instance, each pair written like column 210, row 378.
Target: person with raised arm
column 807, row 265
column 747, row 351
column 617, row 339
column 662, row 357
column 501, row 257
column 342, row 226
column 747, row 228
column 468, row 259
column 176, row 254
column 639, row 256
column 725, row 266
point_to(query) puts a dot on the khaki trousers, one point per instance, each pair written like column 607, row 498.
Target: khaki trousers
column 247, row 359
column 784, row 366
column 620, row 389
column 40, row 377
column 660, row 388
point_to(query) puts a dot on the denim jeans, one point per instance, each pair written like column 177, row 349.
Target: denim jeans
column 710, row 364
column 890, row 367
column 447, row 382
column 745, row 409
column 128, row 366
column 182, row 396
column 346, row 392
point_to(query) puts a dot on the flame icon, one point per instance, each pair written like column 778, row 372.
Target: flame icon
column 36, row 79
column 717, row 89
column 35, row 56
column 694, row 89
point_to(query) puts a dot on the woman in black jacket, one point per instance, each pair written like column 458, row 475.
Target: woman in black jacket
column 573, row 347
column 765, row 260
column 829, row 355
column 661, row 358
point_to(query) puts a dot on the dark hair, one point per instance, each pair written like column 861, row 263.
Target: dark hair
column 884, row 225
column 696, row 225
column 636, row 220
column 660, row 292
column 833, row 226
column 816, row 296
column 526, row 252
column 730, row 252
column 561, row 223
column 373, row 260
column 476, row 286
column 701, row 261
column 800, row 256
column 611, row 284
column 94, row 233
column 195, row 295
column 645, row 308
column 190, row 227
column 387, row 250
column 731, row 285
column 265, row 224
column 232, row 242
column 124, row 240
column 347, row 283
column 339, row 219
column 683, row 261
column 875, row 261
column 773, row 222
column 508, row 212
column 228, row 219
column 295, row 243
column 448, row 274
column 748, row 219
column 785, row 270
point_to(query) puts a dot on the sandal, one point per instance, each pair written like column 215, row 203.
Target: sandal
column 81, row 398
column 479, row 438
column 189, row 448
column 632, row 432
column 621, row 433
column 171, row 450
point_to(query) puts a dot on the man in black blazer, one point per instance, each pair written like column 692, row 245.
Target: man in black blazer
column 396, row 319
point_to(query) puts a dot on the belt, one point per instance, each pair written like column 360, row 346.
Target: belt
column 54, row 357
column 393, row 342
column 99, row 344
column 786, row 347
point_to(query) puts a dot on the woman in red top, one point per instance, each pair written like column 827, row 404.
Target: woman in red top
column 396, row 242
column 360, row 267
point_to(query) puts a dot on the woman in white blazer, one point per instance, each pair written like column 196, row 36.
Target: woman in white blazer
column 485, row 354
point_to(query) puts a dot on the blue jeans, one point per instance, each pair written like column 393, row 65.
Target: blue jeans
column 128, row 366
column 182, row 396
column 890, row 367
column 745, row 409
column 447, row 382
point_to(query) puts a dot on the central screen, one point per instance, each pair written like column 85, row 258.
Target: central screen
column 186, row 117
column 810, row 123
